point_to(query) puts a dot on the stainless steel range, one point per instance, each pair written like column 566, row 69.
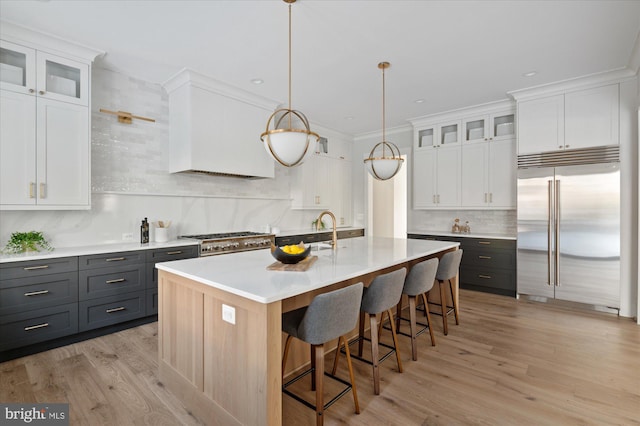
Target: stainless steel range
column 232, row 242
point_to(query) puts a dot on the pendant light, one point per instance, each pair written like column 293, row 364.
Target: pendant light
column 384, row 159
column 284, row 143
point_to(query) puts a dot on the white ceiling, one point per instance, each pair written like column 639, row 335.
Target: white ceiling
column 452, row 54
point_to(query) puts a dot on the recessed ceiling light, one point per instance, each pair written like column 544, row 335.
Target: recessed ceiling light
column 419, row 101
column 530, row 74
column 257, row 81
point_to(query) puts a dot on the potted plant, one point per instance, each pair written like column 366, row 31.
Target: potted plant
column 21, row 242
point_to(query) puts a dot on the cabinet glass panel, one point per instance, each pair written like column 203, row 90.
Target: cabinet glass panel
column 474, row 130
column 425, row 138
column 504, row 125
column 13, row 67
column 63, row 79
column 449, row 134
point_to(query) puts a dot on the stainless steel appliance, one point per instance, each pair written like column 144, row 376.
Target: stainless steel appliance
column 231, row 242
column 569, row 226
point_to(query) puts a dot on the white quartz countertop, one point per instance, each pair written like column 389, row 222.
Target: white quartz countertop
column 245, row 274
column 470, row 235
column 93, row 249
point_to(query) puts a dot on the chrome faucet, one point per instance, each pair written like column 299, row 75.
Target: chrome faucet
column 334, row 237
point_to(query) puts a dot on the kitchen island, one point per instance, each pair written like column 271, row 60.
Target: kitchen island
column 220, row 338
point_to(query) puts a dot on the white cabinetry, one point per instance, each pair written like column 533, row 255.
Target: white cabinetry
column 436, row 178
column 489, row 174
column 473, row 167
column 572, row 120
column 310, row 185
column 44, row 132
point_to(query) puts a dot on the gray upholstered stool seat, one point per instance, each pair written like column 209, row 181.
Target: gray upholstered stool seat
column 382, row 295
column 447, row 270
column 329, row 316
column 418, row 282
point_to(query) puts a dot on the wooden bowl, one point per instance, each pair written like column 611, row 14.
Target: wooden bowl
column 287, row 258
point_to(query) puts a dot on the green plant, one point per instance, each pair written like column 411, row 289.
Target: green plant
column 19, row 242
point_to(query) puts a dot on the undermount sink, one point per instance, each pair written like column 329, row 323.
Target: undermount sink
column 323, row 246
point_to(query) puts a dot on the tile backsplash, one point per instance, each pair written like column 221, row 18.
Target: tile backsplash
column 489, row 221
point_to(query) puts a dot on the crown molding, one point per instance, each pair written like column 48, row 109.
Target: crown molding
column 506, row 104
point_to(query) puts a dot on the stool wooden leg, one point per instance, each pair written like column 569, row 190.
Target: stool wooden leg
column 313, row 366
column 412, row 316
column 380, row 324
column 433, row 340
column 395, row 343
column 351, row 375
column 361, row 334
column 318, row 360
column 455, row 304
column 286, row 353
column 398, row 314
column 443, row 306
column 335, row 360
column 374, row 354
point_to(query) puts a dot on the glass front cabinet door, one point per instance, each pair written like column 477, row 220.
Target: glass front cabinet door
column 29, row 71
column 497, row 126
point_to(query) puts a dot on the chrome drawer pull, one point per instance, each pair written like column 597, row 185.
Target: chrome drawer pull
column 121, row 308
column 119, row 280
column 484, row 257
column 175, row 252
column 115, row 259
column 35, row 293
column 484, row 242
column 33, row 268
column 34, row 327
column 484, row 276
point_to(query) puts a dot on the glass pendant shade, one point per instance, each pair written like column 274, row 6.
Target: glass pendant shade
column 383, row 165
column 384, row 160
column 287, row 145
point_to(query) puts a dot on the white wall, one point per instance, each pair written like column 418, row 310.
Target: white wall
column 130, row 180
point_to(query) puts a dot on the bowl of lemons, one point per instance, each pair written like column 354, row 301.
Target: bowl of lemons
column 290, row 254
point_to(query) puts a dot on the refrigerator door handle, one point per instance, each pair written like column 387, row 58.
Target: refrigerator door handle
column 557, row 232
column 549, row 233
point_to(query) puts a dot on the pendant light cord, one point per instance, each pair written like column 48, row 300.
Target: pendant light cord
column 384, row 138
column 290, row 124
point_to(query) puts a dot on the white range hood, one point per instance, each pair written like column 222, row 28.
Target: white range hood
column 215, row 128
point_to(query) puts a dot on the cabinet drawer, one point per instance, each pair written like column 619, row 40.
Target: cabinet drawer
column 111, row 310
column 111, row 259
column 24, row 294
column 172, row 253
column 489, row 259
column 354, row 233
column 37, row 326
column 34, row 268
column 111, row 281
column 152, row 302
column 471, row 243
column 501, row 279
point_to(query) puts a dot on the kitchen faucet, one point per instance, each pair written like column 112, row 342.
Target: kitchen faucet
column 334, row 237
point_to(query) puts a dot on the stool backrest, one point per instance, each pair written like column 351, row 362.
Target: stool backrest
column 449, row 265
column 331, row 315
column 384, row 292
column 421, row 277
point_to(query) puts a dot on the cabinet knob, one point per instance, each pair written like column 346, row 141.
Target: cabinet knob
column 560, row 146
column 41, row 92
column 31, row 90
column 567, row 146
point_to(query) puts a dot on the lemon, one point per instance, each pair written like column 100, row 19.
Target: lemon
column 292, row 249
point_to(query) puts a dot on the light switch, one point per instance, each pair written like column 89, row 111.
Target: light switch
column 228, row 314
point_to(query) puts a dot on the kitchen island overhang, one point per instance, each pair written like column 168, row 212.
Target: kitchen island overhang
column 231, row 373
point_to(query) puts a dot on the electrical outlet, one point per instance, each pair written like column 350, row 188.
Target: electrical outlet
column 127, row 236
column 228, row 314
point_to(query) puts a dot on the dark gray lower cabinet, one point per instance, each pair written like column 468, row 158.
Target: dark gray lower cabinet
column 109, row 310
column 38, row 325
column 318, row 236
column 488, row 264
column 162, row 255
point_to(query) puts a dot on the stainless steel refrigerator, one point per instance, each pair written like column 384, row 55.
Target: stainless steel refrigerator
column 569, row 230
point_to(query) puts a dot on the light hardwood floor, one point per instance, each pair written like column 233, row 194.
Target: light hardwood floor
column 509, row 362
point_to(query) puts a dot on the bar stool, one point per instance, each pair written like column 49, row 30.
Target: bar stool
column 329, row 316
column 418, row 282
column 383, row 294
column 447, row 270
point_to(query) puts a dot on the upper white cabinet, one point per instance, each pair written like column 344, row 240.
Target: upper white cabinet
column 215, row 128
column 572, row 120
column 473, row 167
column 45, row 132
column 591, row 117
column 489, row 174
column 435, row 135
